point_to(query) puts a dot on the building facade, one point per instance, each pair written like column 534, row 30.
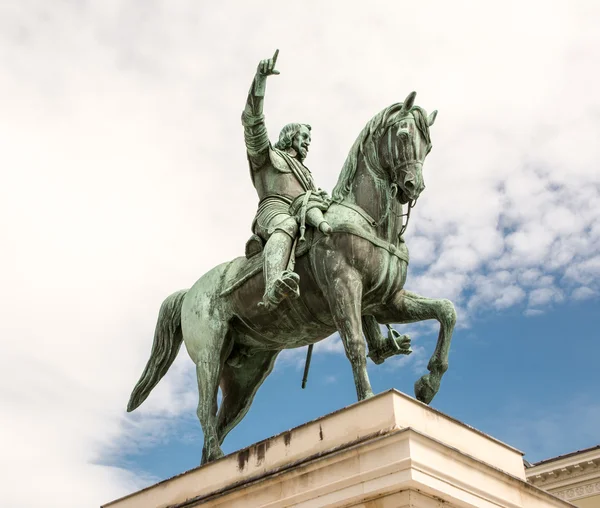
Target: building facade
column 574, row 477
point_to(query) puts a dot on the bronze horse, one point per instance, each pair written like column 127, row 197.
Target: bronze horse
column 349, row 281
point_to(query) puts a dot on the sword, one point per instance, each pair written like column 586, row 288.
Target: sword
column 307, row 365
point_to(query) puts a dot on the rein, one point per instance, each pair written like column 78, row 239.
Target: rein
column 360, row 211
column 411, row 205
column 392, row 192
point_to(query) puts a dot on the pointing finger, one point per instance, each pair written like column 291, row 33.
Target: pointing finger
column 275, row 55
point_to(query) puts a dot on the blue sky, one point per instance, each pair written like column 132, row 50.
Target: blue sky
column 125, row 179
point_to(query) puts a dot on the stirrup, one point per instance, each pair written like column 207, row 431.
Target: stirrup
column 395, row 344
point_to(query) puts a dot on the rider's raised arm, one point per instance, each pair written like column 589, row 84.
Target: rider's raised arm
column 253, row 120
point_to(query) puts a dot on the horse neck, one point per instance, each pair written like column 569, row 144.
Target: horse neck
column 373, row 194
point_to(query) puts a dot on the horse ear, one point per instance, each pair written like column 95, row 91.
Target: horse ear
column 431, row 118
column 409, row 102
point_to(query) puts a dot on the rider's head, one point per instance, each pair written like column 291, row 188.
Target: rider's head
column 295, row 136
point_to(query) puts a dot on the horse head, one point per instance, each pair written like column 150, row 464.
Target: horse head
column 392, row 147
column 401, row 143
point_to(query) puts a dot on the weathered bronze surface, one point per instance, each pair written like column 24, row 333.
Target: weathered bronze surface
column 314, row 265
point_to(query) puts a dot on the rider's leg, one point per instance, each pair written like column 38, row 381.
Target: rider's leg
column 279, row 281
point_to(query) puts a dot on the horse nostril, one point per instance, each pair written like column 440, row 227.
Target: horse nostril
column 409, row 185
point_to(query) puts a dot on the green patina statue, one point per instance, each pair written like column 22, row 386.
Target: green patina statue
column 280, row 177
column 314, row 265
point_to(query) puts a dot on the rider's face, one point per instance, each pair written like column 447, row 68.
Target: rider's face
column 301, row 142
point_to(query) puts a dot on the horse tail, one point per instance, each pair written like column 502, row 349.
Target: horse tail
column 167, row 341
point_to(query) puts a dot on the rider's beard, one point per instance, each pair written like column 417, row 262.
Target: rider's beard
column 299, row 152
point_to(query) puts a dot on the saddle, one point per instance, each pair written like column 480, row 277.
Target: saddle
column 254, row 246
column 244, row 269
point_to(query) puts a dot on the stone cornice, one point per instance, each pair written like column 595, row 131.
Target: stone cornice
column 573, row 476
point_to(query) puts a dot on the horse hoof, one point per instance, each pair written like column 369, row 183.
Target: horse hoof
column 211, row 455
column 367, row 395
column 424, row 392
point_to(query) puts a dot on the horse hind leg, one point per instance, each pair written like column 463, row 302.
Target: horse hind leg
column 408, row 307
column 239, row 385
column 208, row 372
column 208, row 341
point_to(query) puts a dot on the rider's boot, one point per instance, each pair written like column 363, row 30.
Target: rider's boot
column 280, row 283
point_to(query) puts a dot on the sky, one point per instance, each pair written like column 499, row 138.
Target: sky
column 124, row 179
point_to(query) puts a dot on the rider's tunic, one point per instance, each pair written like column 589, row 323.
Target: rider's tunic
column 278, row 177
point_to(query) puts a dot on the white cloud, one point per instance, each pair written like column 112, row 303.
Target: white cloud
column 122, row 158
column 544, row 296
column 422, row 251
column 586, row 271
column 418, row 360
column 333, row 344
column 583, row 293
column 533, row 312
column 530, row 277
column 297, row 357
column 510, row 296
column 291, row 357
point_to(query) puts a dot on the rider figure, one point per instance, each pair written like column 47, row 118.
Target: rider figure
column 280, row 177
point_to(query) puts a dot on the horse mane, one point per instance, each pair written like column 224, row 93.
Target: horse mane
column 381, row 120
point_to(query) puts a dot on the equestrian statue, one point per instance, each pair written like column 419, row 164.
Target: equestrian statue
column 315, row 265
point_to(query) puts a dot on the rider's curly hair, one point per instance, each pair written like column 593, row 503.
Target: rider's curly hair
column 287, row 134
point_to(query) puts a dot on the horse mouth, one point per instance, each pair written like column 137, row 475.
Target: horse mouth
column 403, row 198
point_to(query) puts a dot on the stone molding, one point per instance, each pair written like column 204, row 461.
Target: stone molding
column 571, row 477
column 579, row 491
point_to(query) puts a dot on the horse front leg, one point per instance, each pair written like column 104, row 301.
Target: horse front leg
column 344, row 293
column 410, row 307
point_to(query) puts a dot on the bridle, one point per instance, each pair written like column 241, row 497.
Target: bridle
column 411, row 204
column 393, row 188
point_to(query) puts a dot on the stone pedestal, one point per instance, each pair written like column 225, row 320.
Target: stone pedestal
column 388, row 451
